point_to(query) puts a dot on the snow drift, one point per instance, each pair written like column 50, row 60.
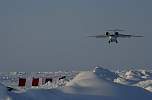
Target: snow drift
column 105, row 73
column 88, row 83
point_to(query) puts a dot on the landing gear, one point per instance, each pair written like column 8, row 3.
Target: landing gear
column 112, row 41
column 109, row 42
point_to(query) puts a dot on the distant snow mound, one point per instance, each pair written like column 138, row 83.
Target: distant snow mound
column 137, row 75
column 149, row 88
column 122, row 80
column 147, row 84
column 134, row 75
column 105, row 73
column 141, row 78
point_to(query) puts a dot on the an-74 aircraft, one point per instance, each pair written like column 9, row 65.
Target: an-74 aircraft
column 113, row 37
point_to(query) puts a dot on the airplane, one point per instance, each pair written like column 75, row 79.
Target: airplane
column 113, row 37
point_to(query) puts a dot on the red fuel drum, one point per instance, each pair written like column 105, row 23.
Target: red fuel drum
column 22, row 82
column 35, row 82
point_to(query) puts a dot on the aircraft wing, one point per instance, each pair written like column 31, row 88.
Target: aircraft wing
column 99, row 36
column 128, row 36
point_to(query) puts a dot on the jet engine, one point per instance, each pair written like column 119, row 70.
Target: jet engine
column 116, row 33
column 107, row 33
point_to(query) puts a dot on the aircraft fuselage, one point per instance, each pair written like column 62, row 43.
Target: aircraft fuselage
column 113, row 38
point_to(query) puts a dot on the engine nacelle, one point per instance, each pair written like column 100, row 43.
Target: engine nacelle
column 116, row 33
column 107, row 33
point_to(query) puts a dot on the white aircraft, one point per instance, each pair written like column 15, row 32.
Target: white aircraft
column 113, row 37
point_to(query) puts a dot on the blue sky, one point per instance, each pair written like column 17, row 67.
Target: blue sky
column 51, row 35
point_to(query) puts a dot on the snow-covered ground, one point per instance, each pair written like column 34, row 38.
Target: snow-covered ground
column 140, row 78
column 99, row 84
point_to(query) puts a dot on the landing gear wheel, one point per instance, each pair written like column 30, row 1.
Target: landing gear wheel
column 109, row 42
